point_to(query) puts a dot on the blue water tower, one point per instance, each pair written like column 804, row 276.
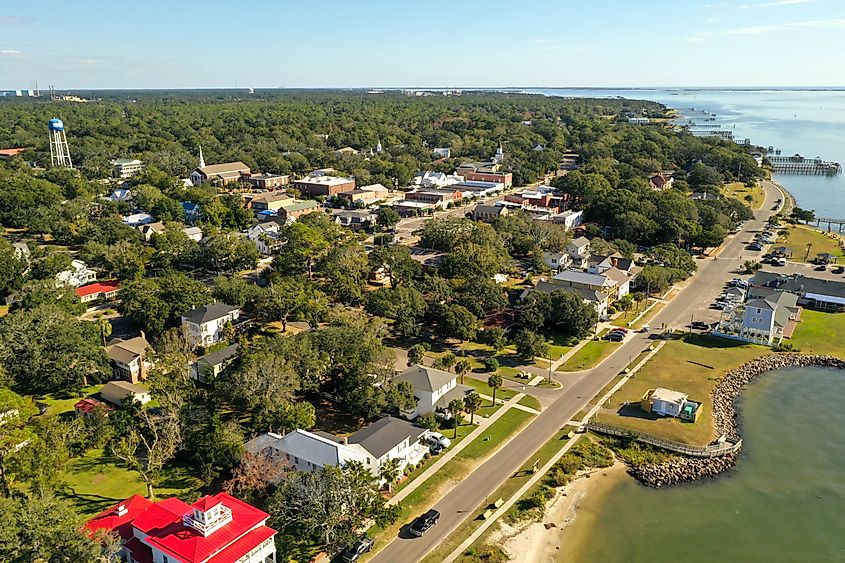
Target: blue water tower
column 59, row 152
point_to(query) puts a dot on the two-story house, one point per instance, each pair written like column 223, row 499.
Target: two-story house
column 579, row 250
column 78, row 274
column 386, row 439
column 205, row 325
column 129, row 358
column 214, row 528
column 433, row 389
column 765, row 320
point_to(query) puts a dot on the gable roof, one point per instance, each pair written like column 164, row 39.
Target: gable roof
column 219, row 356
column 125, row 351
column 424, row 378
column 580, row 241
column 226, row 167
column 385, row 434
column 577, row 276
column 589, row 295
column 109, row 519
column 208, row 313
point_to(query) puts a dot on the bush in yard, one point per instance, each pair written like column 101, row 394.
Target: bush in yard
column 491, row 364
column 428, row 420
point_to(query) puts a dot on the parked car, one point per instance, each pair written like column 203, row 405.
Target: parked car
column 839, row 270
column 615, row 336
column 424, row 522
column 820, row 268
column 439, row 439
column 435, row 449
column 645, row 328
column 779, row 261
column 700, row 325
column 354, row 551
column 619, row 329
column 755, row 246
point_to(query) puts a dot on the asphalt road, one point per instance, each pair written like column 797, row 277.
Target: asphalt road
column 692, row 300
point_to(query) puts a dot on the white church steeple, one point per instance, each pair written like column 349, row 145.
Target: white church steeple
column 202, row 160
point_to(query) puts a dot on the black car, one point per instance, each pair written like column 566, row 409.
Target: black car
column 839, row 270
column 361, row 546
column 424, row 522
column 700, row 325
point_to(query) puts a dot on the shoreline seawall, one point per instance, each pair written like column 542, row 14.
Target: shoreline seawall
column 682, row 469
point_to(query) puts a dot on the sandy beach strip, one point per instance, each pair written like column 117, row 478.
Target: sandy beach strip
column 545, row 541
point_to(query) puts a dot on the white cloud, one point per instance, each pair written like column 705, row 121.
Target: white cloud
column 759, row 29
column 9, row 52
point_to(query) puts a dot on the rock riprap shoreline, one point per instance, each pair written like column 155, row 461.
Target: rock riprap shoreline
column 680, row 469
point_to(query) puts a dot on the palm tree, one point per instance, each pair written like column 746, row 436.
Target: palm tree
column 472, row 402
column 494, row 381
column 809, row 246
column 105, row 329
column 461, row 367
column 455, row 407
column 390, row 472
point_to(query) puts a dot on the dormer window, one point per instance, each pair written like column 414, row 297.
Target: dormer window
column 208, row 515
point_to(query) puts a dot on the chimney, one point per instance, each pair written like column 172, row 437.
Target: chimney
column 144, row 336
column 121, row 510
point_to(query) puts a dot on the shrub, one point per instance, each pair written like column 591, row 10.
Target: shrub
column 491, row 364
column 428, row 420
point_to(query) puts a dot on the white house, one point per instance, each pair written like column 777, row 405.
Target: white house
column 136, row 219
column 205, row 325
column 126, row 167
column 436, row 179
column 265, row 236
column 433, row 389
column 579, row 249
column 665, row 402
column 557, row 260
column 115, row 392
column 193, row 233
column 78, row 274
column 569, row 218
column 386, row 439
column 441, row 152
column 613, row 282
column 120, row 195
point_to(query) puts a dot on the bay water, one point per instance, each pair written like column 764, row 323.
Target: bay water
column 810, row 122
column 784, row 501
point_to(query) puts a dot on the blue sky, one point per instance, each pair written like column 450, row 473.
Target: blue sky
column 381, row 43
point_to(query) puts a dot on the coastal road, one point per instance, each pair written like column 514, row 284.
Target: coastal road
column 464, row 499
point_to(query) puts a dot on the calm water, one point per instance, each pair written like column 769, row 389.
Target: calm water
column 809, row 122
column 785, row 501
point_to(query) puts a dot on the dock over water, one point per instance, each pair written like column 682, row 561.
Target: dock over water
column 797, row 164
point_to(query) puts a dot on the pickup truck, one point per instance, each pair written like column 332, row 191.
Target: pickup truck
column 424, row 522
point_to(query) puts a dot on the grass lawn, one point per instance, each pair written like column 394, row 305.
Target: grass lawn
column 590, row 355
column 451, row 473
column 626, row 318
column 57, row 406
column 820, row 333
column 463, row 431
column 799, row 236
column 530, row 402
column 505, row 491
column 95, row 481
column 479, row 383
column 739, row 191
column 693, row 365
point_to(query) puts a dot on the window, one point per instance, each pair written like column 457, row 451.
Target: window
column 296, row 460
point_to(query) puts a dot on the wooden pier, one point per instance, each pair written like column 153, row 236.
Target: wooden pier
column 797, row 164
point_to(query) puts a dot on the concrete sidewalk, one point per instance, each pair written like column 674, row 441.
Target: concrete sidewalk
column 483, row 423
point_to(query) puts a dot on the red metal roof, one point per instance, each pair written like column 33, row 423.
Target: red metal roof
column 11, row 152
column 109, row 520
column 140, row 552
column 187, row 544
column 95, row 288
column 88, row 405
column 206, row 503
column 243, row 545
column 162, row 524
